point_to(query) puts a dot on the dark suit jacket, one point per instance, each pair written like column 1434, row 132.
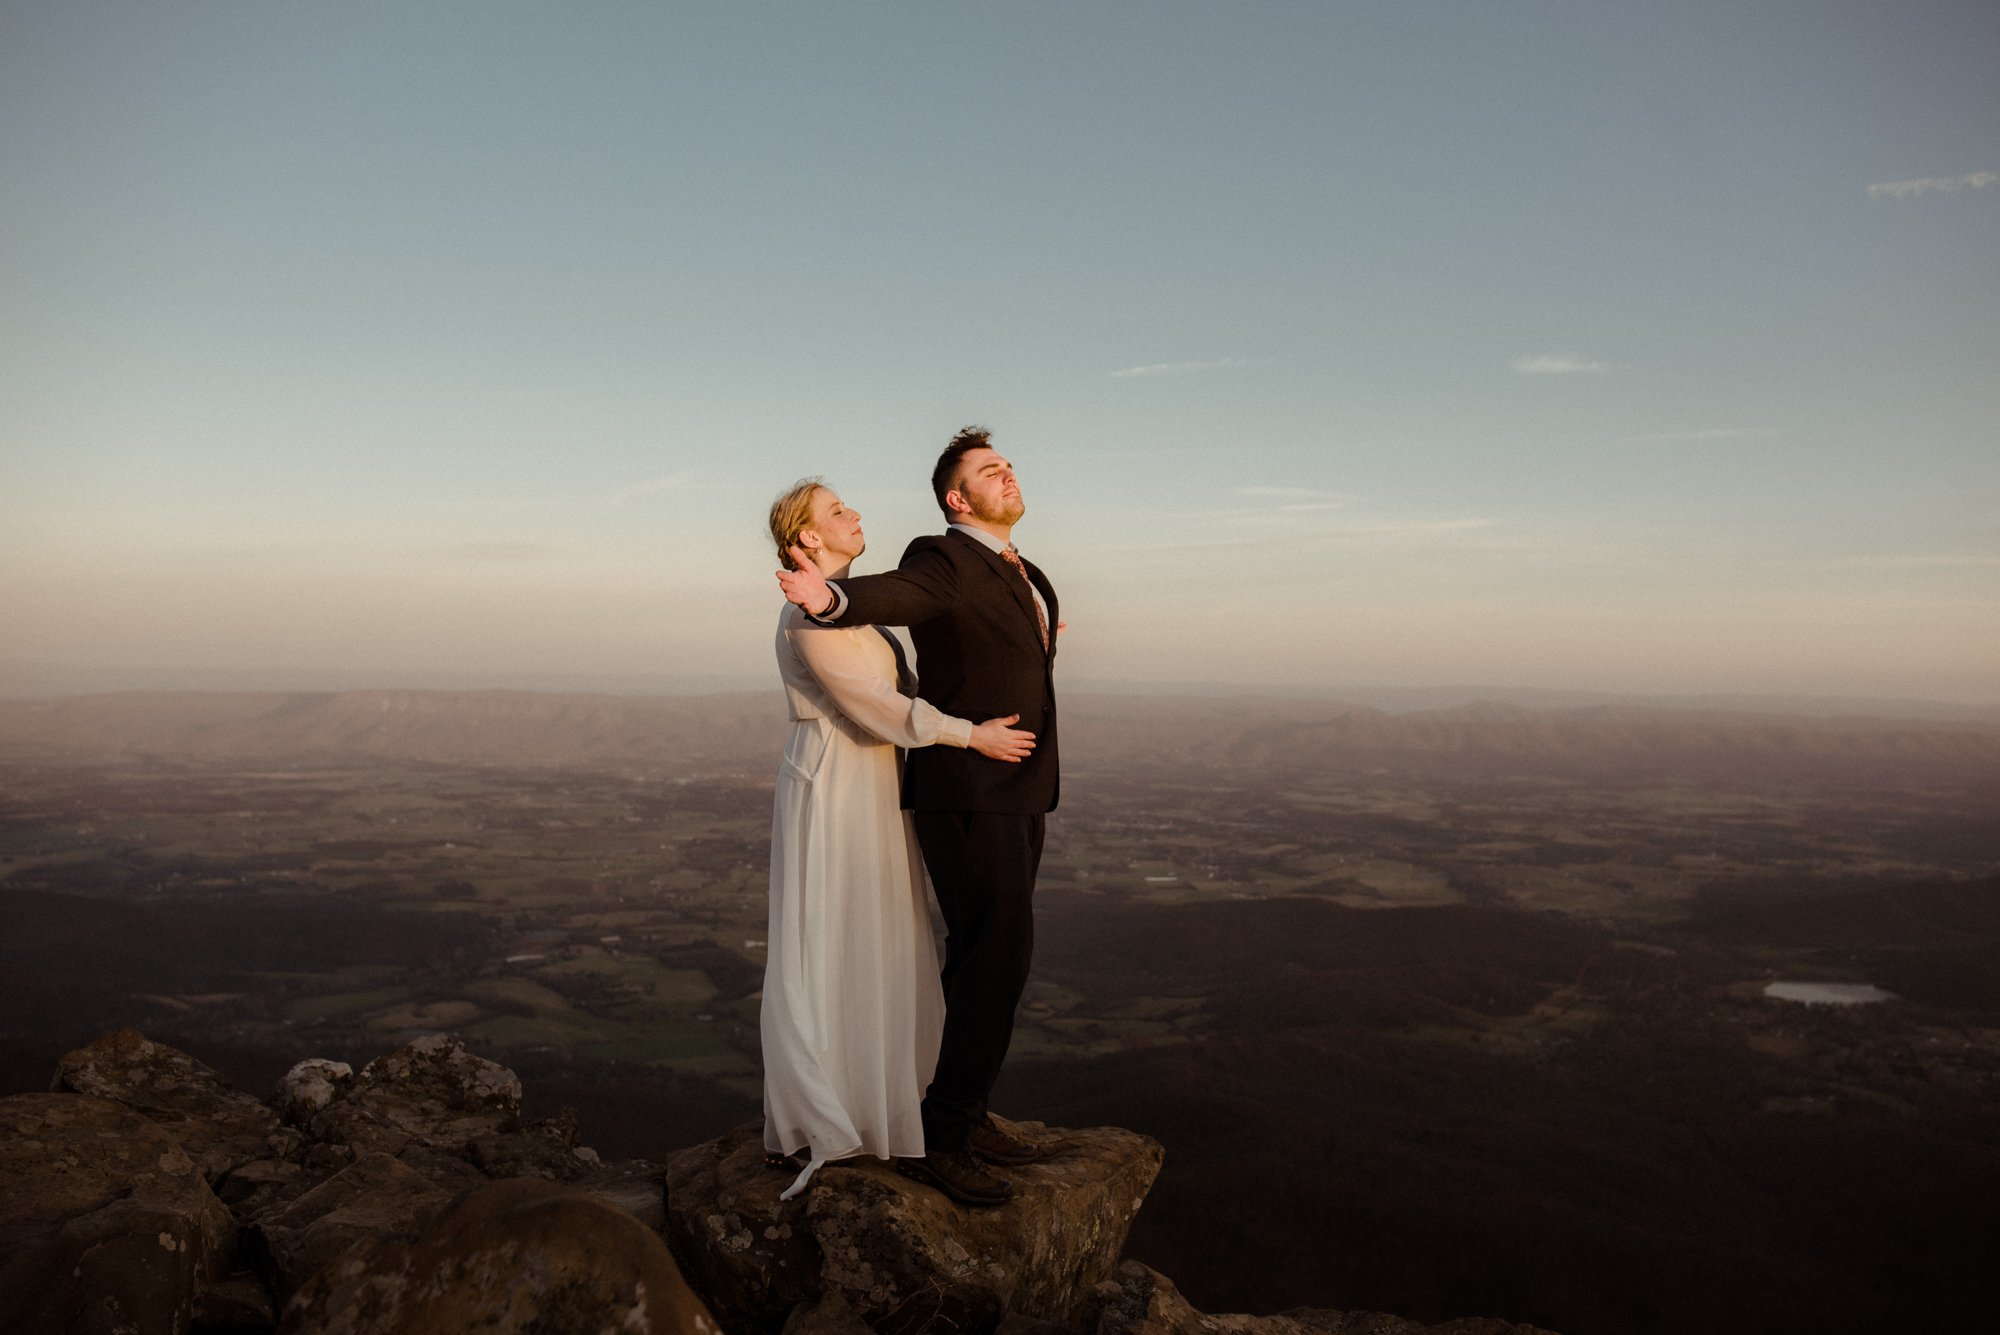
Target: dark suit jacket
column 978, row 657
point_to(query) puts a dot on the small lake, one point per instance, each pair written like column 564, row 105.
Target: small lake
column 1829, row 994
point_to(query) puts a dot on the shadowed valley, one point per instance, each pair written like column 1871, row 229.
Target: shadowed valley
column 1460, row 1011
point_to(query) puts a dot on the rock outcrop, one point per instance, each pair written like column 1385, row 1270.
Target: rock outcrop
column 309, row 1086
column 449, row 1115
column 219, row 1126
column 375, row 1196
column 520, row 1256
column 1140, row 1301
column 143, row 1194
column 900, row 1256
column 105, row 1225
column 429, row 1097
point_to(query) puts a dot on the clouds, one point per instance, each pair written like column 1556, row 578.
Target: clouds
column 1559, row 363
column 1544, row 363
column 1393, row 527
column 1178, row 368
column 652, row 486
column 1908, row 561
column 1298, row 500
column 500, row 551
column 1285, row 514
column 1943, row 185
column 1709, row 433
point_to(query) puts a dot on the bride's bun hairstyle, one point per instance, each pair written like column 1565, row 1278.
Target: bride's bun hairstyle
column 791, row 515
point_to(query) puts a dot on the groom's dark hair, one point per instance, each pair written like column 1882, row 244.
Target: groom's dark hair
column 944, row 477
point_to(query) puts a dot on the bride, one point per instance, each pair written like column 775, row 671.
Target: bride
column 852, row 1005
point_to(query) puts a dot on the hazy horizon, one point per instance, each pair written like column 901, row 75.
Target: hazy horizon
column 1561, row 346
column 21, row 684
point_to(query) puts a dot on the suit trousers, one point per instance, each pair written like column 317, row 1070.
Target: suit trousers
column 982, row 866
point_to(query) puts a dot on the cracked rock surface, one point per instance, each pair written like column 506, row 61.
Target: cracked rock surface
column 218, row 1125
column 900, row 1256
column 523, row 1256
column 106, row 1224
column 144, row 1194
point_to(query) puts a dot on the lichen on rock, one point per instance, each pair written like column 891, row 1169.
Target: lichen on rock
column 106, row 1225
column 900, row 1256
column 517, row 1256
column 217, row 1124
column 410, row 1199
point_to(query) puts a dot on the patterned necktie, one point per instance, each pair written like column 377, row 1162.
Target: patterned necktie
column 1013, row 558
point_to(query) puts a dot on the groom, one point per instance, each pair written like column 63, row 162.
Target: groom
column 983, row 620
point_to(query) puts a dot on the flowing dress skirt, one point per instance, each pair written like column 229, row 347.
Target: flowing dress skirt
column 852, row 1005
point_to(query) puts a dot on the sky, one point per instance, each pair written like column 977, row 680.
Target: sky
column 1596, row 346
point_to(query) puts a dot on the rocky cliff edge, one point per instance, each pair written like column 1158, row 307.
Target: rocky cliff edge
column 145, row 1196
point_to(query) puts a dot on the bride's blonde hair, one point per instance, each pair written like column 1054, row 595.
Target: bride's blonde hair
column 791, row 515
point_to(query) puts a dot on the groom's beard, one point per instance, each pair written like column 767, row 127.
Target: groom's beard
column 1004, row 512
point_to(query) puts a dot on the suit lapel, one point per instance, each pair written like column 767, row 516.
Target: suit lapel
column 1017, row 588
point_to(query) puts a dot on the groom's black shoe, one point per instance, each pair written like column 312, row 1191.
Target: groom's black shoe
column 987, row 1141
column 955, row 1173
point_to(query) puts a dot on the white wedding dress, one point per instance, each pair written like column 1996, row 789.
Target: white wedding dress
column 852, row 1005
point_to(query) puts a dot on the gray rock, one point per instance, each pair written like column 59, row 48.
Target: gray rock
column 375, row 1196
column 237, row 1305
column 106, row 1225
column 1141, row 1301
column 325, row 1160
column 447, row 1170
column 219, row 1126
column 751, row 1257
column 1138, row 1300
column 109, row 1227
column 1016, row 1324
column 512, row 1257
column 310, row 1086
column 546, row 1148
column 901, row 1256
column 633, row 1186
column 829, row 1316
column 254, row 1189
column 430, row 1094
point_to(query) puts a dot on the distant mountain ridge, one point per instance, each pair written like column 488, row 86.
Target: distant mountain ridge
column 740, row 732
column 449, row 727
column 42, row 681
column 1427, row 699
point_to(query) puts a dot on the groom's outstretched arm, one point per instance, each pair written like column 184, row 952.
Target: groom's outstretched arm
column 924, row 587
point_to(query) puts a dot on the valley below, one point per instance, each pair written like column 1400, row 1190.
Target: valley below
column 1458, row 1012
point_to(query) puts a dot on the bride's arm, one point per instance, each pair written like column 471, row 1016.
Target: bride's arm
column 844, row 672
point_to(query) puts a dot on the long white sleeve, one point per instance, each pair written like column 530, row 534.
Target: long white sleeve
column 858, row 689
